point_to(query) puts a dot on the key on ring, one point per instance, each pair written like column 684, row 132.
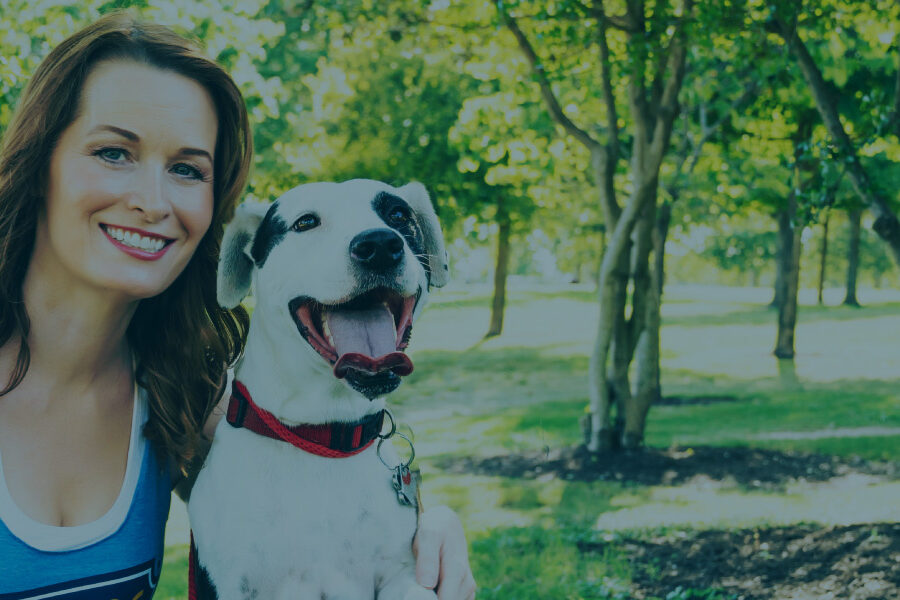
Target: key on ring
column 406, row 484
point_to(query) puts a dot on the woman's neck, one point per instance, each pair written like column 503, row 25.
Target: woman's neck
column 77, row 336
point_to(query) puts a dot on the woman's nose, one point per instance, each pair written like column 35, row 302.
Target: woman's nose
column 148, row 196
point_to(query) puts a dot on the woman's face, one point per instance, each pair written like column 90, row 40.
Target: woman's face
column 130, row 190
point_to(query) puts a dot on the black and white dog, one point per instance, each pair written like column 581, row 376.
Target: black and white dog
column 340, row 271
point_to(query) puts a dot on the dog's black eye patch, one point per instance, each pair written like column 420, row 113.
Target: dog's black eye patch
column 397, row 214
column 270, row 233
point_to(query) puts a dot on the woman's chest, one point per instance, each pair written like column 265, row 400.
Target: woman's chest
column 62, row 466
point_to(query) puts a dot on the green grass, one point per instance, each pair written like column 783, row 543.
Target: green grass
column 534, row 563
column 173, row 582
column 526, row 390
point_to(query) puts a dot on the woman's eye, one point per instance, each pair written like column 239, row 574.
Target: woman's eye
column 113, row 155
column 187, row 171
column 307, row 221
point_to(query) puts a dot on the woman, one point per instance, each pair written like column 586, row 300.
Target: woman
column 124, row 160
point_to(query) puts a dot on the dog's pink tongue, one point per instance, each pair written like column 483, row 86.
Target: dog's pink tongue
column 366, row 340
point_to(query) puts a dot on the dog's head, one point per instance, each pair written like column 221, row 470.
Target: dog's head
column 345, row 267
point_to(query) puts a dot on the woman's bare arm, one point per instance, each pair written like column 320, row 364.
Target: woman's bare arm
column 183, row 483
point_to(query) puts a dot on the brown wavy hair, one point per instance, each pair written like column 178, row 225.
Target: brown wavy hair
column 182, row 339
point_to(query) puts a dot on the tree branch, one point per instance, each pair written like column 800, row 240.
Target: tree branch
column 609, row 98
column 546, row 90
column 620, row 22
column 668, row 104
column 707, row 130
column 736, row 105
column 637, row 90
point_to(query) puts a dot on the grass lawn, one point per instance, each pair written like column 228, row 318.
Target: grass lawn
column 525, row 390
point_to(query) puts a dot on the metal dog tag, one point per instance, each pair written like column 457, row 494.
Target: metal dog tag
column 406, row 484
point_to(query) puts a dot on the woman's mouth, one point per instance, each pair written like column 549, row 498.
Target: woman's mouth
column 137, row 243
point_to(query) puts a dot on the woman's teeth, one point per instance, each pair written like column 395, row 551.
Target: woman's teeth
column 136, row 240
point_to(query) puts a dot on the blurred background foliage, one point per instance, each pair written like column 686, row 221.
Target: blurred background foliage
column 439, row 92
column 754, row 190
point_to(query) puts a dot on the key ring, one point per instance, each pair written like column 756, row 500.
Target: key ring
column 402, row 465
column 392, row 431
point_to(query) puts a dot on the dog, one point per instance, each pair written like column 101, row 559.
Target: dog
column 340, row 272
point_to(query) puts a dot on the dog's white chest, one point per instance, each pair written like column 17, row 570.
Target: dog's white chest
column 330, row 524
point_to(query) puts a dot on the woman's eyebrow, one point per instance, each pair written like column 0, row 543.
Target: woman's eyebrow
column 196, row 152
column 130, row 135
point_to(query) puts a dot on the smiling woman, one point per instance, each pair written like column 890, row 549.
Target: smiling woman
column 126, row 155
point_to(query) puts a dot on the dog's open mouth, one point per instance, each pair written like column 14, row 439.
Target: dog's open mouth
column 364, row 338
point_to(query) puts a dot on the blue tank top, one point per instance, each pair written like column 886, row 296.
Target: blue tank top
column 119, row 556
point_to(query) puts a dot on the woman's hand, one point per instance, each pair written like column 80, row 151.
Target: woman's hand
column 442, row 557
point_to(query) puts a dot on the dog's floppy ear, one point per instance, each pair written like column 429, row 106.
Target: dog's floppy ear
column 417, row 197
column 235, row 265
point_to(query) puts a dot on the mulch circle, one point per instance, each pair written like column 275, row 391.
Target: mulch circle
column 857, row 562
column 750, row 467
column 797, row 562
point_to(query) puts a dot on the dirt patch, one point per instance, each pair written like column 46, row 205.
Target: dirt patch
column 859, row 562
column 754, row 468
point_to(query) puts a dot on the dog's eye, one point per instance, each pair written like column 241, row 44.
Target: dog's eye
column 307, row 221
column 398, row 214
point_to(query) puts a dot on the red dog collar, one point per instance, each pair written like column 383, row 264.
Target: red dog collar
column 332, row 440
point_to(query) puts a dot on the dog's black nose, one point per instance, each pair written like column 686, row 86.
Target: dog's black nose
column 377, row 249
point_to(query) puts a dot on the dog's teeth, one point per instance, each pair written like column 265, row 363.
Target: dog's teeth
column 327, row 331
column 393, row 316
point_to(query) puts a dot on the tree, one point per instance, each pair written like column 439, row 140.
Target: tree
column 650, row 70
column 784, row 20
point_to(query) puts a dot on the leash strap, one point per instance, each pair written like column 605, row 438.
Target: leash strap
column 331, row 440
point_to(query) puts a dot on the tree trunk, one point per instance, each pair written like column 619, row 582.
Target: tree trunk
column 886, row 224
column 640, row 272
column 501, row 270
column 647, row 381
column 787, row 311
column 613, row 280
column 782, row 257
column 855, row 216
column 576, row 275
column 823, row 259
column 620, row 350
column 628, row 331
column 663, row 221
column 600, row 430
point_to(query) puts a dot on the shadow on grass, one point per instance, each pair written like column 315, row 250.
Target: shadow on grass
column 750, row 468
